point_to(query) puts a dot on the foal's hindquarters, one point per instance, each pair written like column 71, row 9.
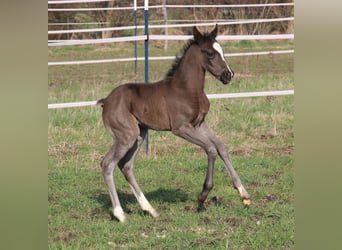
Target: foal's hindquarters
column 128, row 136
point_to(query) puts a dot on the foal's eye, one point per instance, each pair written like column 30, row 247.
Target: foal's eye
column 210, row 54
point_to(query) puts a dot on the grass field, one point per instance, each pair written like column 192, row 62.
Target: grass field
column 258, row 133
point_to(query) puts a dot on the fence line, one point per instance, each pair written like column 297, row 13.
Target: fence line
column 210, row 96
column 165, row 37
column 172, row 25
column 89, row 23
column 226, row 5
column 156, row 21
column 155, row 58
column 173, row 6
column 251, row 94
column 77, row 1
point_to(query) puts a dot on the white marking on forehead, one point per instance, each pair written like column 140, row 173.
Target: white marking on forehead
column 219, row 49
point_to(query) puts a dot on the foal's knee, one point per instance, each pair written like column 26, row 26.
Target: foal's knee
column 103, row 164
column 212, row 152
column 222, row 150
column 106, row 166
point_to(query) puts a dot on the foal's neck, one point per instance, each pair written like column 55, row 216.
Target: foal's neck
column 190, row 74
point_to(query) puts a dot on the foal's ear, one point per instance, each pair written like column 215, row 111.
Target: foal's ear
column 213, row 34
column 197, row 35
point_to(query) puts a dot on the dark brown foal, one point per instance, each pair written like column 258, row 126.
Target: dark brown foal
column 177, row 104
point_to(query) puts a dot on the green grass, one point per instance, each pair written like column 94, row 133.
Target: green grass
column 258, row 133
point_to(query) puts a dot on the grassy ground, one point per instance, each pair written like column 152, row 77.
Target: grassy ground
column 258, row 133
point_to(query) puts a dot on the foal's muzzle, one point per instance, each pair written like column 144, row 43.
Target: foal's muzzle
column 226, row 76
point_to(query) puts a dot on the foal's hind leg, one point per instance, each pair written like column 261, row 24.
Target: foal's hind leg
column 110, row 161
column 108, row 165
column 126, row 167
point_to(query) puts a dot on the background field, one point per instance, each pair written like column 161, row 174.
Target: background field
column 258, row 133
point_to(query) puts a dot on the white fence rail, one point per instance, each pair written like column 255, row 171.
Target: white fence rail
column 210, row 96
column 162, row 6
column 165, row 37
column 77, row 1
column 163, row 26
column 156, row 58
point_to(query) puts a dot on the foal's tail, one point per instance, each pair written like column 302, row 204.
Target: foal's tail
column 100, row 102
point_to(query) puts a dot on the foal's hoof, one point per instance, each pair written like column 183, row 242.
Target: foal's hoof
column 201, row 208
column 154, row 214
column 119, row 214
column 246, row 202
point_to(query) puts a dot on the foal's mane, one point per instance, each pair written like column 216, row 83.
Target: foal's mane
column 178, row 59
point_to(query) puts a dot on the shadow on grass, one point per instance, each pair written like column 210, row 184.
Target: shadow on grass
column 161, row 195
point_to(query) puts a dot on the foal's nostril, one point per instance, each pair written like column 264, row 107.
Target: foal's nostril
column 226, row 76
column 229, row 74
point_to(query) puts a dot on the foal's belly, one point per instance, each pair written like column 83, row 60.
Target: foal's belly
column 152, row 115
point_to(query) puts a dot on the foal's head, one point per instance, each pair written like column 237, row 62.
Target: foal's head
column 212, row 55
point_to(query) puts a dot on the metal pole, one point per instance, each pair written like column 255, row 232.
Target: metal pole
column 135, row 42
column 146, row 41
column 146, row 55
column 165, row 21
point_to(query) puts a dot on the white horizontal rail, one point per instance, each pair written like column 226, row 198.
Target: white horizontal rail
column 164, row 37
column 173, row 6
column 65, row 24
column 226, row 5
column 77, row 1
column 156, row 21
column 171, row 25
column 210, row 96
column 96, row 41
column 224, row 37
column 71, row 104
column 154, row 58
column 250, row 94
column 91, row 9
column 273, row 52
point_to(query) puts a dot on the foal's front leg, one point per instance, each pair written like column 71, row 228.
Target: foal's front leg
column 198, row 136
column 204, row 137
column 223, row 153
